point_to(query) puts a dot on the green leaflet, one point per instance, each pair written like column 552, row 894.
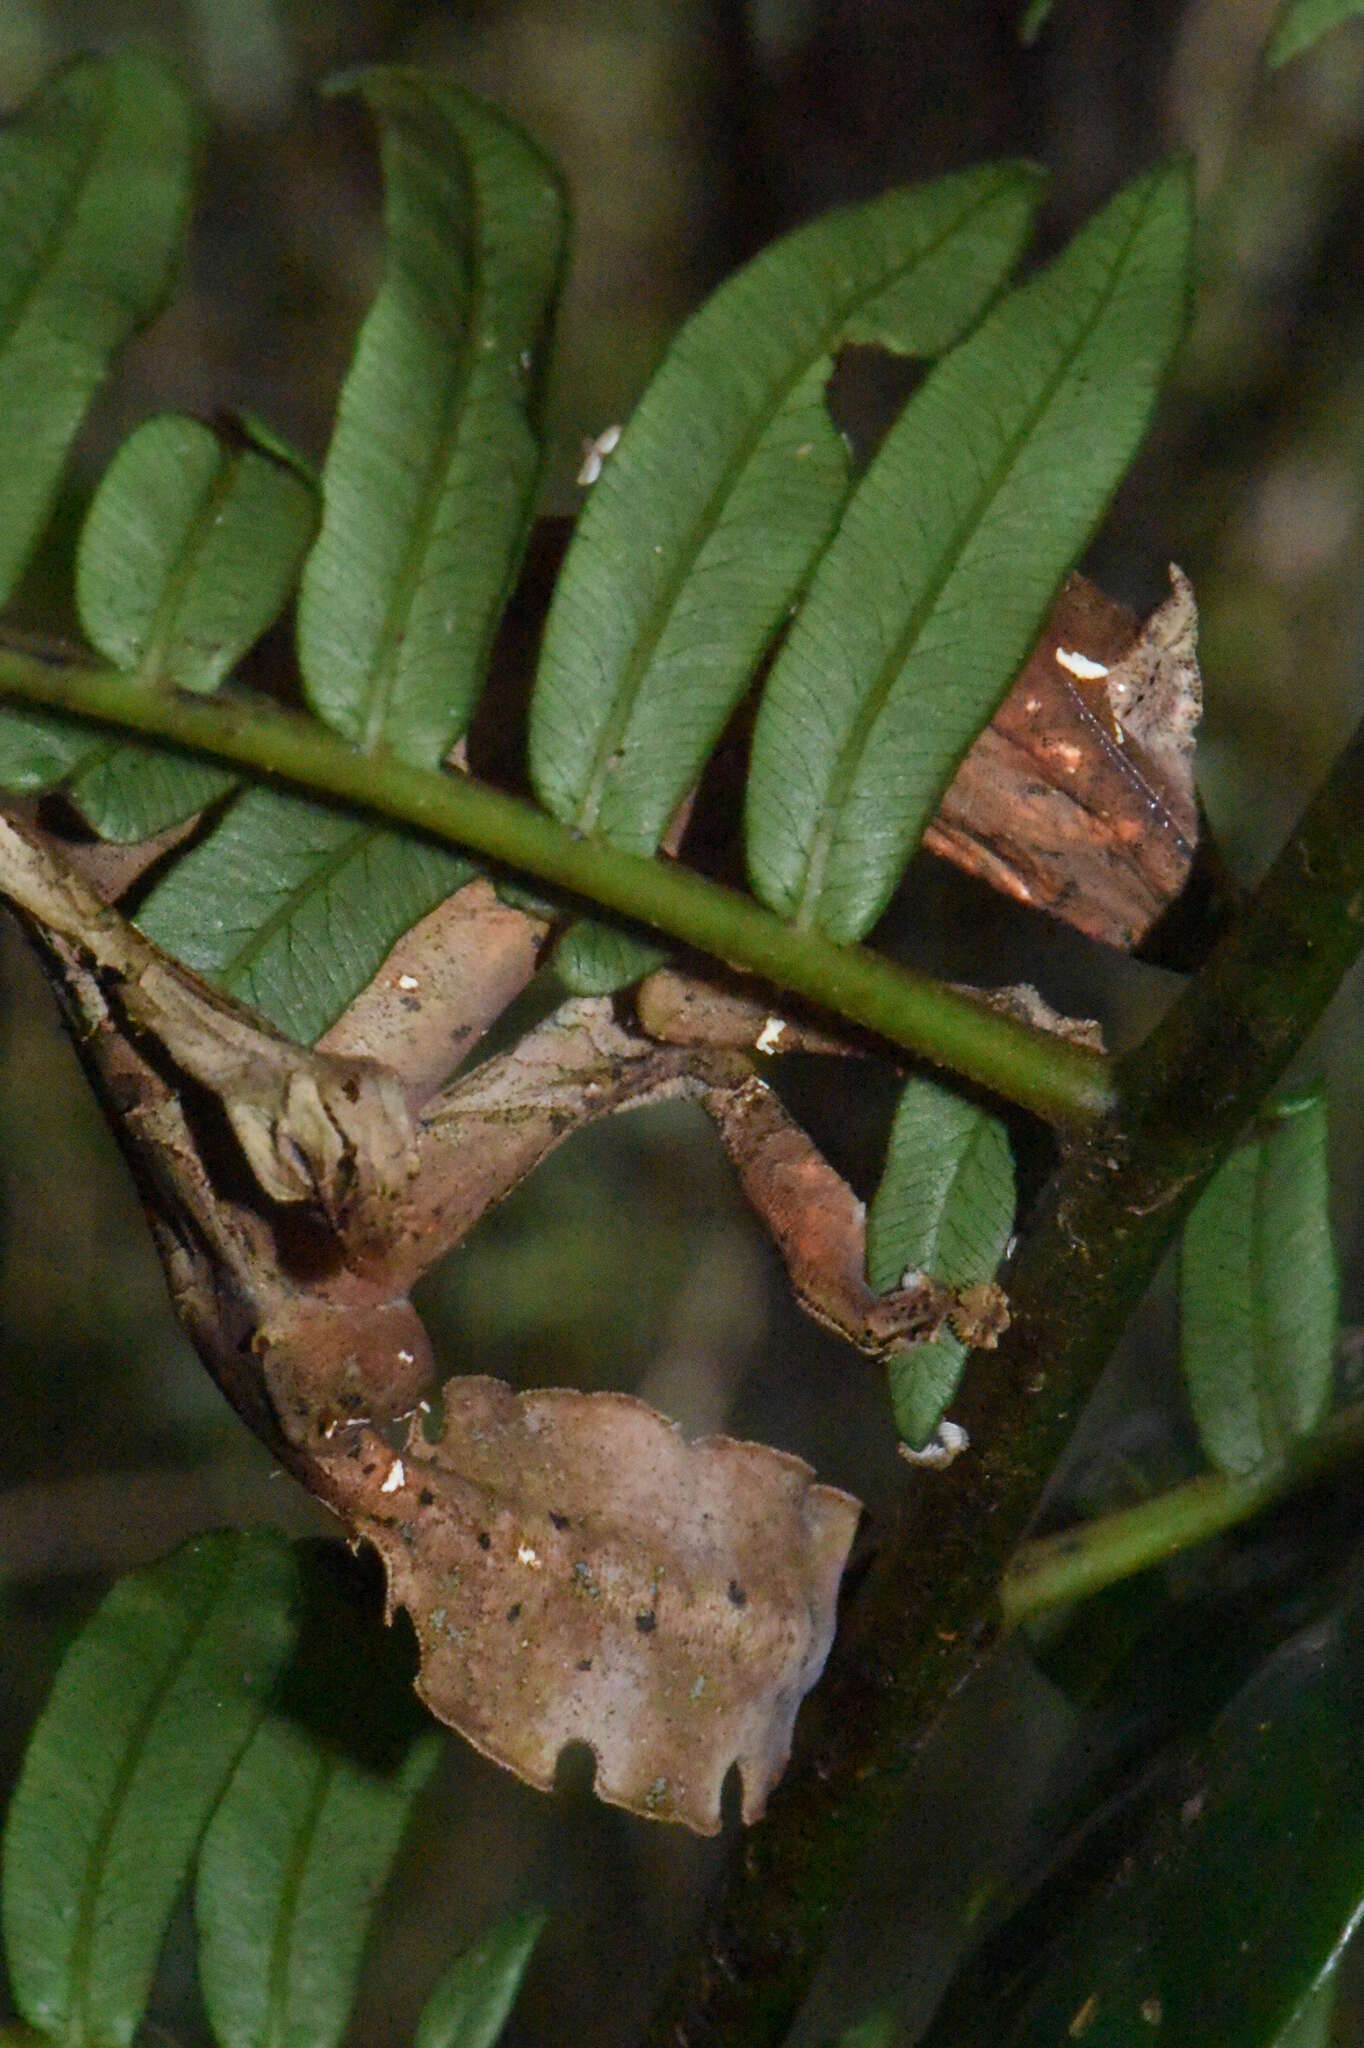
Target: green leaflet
column 94, row 193
column 306, row 1832
column 127, row 792
column 292, row 906
column 428, row 484
column 945, row 1206
column 94, row 190
column 154, row 1702
column 190, row 550
column 595, row 959
column 1258, row 1291
column 38, row 749
column 878, row 2030
column 469, row 2006
column 727, row 483
column 922, row 1382
column 931, row 595
column 1300, row 23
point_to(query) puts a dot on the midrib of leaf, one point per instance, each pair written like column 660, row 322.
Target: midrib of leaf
column 315, row 880
column 963, row 1160
column 79, row 2033
column 179, row 575
column 870, row 710
column 56, row 244
column 408, row 579
column 1272, row 1430
column 281, row 1946
column 701, row 529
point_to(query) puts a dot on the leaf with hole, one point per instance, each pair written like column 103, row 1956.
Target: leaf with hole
column 944, row 1207
column 1259, row 1290
column 307, row 1831
column 706, row 519
column 428, row 484
column 153, row 1704
column 469, row 2006
column 933, row 592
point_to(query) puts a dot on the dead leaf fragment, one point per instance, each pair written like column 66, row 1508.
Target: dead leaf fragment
column 577, row 1571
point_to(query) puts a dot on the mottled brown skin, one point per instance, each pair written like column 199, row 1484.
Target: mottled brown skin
column 294, row 1198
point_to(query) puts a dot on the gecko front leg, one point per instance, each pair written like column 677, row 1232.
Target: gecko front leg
column 820, row 1228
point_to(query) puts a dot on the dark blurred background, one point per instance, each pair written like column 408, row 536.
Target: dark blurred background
column 691, row 132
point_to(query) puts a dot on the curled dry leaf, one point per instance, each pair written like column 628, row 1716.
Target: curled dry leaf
column 578, row 1571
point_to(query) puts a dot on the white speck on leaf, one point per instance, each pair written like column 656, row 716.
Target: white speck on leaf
column 1081, row 665
column 396, row 1477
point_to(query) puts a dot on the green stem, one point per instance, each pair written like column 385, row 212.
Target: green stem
column 928, row 1612
column 1062, row 1082
column 1054, row 1570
